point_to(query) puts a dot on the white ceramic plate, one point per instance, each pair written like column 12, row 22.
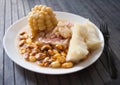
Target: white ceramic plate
column 12, row 51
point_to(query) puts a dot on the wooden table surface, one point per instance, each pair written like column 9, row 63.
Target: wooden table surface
column 98, row 11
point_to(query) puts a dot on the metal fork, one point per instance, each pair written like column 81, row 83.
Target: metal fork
column 109, row 52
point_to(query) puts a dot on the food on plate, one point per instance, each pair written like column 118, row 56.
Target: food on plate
column 90, row 35
column 56, row 43
column 41, row 18
column 92, row 39
column 77, row 48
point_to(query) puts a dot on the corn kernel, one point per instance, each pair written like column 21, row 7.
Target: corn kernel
column 32, row 58
column 63, row 54
column 21, row 43
column 26, row 56
column 55, row 64
column 22, row 51
column 40, row 56
column 60, row 47
column 61, row 59
column 46, row 47
column 46, row 64
column 38, row 43
column 28, row 50
column 50, row 52
column 56, row 56
column 55, row 51
column 66, row 50
column 29, row 41
column 46, row 59
column 41, row 64
column 67, row 65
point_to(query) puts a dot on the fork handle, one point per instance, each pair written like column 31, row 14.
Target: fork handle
column 112, row 67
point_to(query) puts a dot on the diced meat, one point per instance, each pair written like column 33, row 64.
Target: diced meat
column 65, row 32
column 54, row 41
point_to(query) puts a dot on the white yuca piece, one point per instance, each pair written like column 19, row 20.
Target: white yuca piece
column 77, row 47
column 90, row 35
column 92, row 40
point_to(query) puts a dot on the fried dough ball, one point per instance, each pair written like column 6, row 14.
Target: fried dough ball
column 41, row 18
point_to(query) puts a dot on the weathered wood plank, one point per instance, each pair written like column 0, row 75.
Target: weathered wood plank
column 19, row 72
column 109, row 10
column 62, row 6
column 31, row 3
column 29, row 76
column 79, row 9
column 76, row 78
column 94, row 12
column 116, row 47
column 14, row 11
column 37, row 2
column 114, row 28
column 115, row 4
column 103, row 60
column 41, row 79
column 64, row 79
column 19, row 75
column 116, row 59
column 87, row 80
column 2, row 22
column 97, row 11
column 95, row 77
column 110, row 17
column 102, row 72
column 26, row 7
column 53, row 80
column 102, row 57
column 98, row 19
column 114, row 13
column 8, row 64
column 54, row 4
column 43, row 2
column 114, row 42
column 20, row 9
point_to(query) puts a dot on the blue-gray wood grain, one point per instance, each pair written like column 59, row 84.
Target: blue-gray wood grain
column 98, row 11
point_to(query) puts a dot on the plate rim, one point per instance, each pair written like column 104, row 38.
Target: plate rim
column 4, row 38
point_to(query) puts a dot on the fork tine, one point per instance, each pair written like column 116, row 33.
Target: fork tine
column 101, row 28
column 107, row 30
column 104, row 29
column 108, row 52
